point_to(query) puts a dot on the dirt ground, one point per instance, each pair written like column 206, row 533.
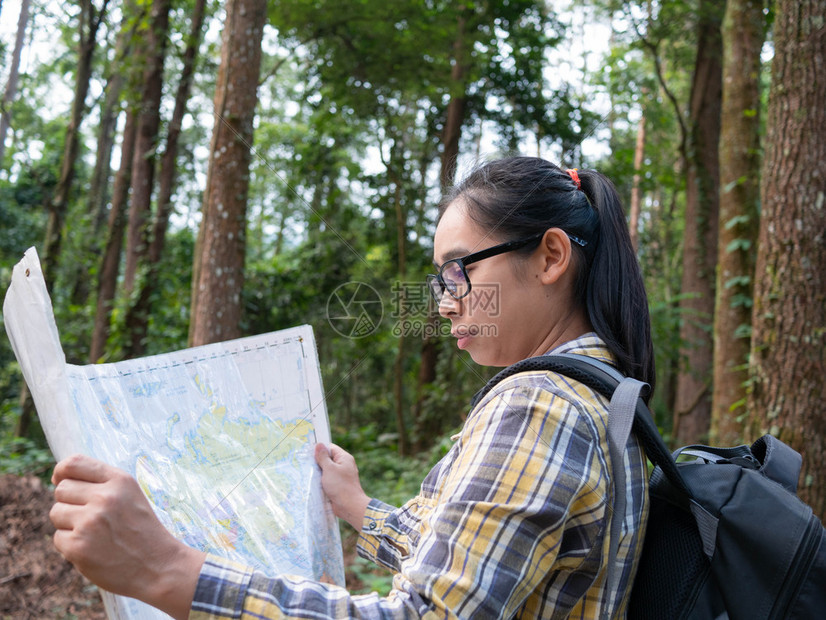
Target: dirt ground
column 35, row 581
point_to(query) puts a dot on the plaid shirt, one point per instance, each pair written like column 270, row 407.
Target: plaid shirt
column 514, row 522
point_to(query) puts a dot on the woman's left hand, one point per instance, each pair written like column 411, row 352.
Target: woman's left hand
column 340, row 481
column 107, row 529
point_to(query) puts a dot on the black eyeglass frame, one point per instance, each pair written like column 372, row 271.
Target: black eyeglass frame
column 464, row 261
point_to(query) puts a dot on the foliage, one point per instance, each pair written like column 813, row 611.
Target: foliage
column 384, row 474
column 19, row 455
column 375, row 578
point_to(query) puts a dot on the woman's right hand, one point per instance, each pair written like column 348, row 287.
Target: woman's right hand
column 106, row 527
column 340, row 481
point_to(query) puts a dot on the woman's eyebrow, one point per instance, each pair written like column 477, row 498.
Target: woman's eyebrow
column 454, row 253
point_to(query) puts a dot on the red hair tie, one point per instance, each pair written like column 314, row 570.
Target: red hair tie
column 575, row 177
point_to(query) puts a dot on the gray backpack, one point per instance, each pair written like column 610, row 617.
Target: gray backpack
column 727, row 536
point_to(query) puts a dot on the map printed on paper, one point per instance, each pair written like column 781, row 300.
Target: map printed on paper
column 220, row 437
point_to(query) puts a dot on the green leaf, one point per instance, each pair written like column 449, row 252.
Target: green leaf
column 737, row 281
column 739, row 244
column 737, row 219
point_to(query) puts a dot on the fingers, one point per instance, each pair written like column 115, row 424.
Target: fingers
column 340, row 456
column 79, row 479
column 332, row 454
column 69, row 537
column 71, row 522
column 63, row 516
column 322, row 455
column 70, row 491
column 82, row 467
column 62, row 542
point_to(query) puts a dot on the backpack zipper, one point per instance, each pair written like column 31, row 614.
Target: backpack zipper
column 800, row 566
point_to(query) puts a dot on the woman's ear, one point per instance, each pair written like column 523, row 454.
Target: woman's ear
column 555, row 255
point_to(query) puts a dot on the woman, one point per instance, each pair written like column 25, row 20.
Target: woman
column 515, row 521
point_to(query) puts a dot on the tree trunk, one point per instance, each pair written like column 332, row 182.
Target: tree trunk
column 692, row 413
column 138, row 313
column 788, row 353
column 218, row 270
column 110, row 262
column 10, row 92
column 146, row 144
column 743, row 34
column 398, row 367
column 90, row 20
column 455, row 115
column 451, row 133
column 99, row 192
column 636, row 192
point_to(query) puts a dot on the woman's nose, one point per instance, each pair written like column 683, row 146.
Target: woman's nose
column 448, row 306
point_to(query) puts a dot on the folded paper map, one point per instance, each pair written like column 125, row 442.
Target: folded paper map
column 219, row 437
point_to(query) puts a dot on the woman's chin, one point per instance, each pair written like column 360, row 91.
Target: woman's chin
column 483, row 358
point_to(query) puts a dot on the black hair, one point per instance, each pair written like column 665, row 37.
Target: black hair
column 516, row 197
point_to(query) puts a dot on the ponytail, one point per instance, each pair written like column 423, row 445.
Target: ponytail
column 615, row 296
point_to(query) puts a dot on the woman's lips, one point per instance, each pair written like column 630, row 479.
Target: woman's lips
column 462, row 336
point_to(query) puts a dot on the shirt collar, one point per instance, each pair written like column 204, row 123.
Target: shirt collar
column 588, row 344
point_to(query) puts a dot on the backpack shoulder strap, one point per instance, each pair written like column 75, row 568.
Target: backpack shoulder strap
column 620, row 418
column 602, row 378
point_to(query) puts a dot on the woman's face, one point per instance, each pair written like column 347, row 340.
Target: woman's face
column 505, row 317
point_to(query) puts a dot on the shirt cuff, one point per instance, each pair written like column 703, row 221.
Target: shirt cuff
column 371, row 528
column 221, row 590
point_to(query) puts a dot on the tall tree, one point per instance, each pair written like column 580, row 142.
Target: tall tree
column 111, row 258
column 788, row 353
column 692, row 407
column 137, row 318
column 10, row 91
column 89, row 22
column 99, row 190
column 455, row 113
column 146, row 143
column 743, row 35
column 395, row 166
column 111, row 107
column 636, row 191
column 635, row 201
column 218, row 270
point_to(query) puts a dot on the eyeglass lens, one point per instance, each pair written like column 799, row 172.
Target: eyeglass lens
column 454, row 278
column 451, row 277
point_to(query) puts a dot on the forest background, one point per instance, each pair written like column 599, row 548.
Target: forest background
column 196, row 171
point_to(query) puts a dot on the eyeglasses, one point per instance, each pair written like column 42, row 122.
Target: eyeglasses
column 453, row 277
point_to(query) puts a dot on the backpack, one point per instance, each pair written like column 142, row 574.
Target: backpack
column 727, row 536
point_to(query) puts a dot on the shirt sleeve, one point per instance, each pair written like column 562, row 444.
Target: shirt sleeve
column 380, row 540
column 229, row 590
column 524, row 492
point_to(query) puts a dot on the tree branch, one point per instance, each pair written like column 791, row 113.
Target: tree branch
column 654, row 49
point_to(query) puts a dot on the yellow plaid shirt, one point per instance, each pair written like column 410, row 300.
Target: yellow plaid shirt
column 514, row 522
